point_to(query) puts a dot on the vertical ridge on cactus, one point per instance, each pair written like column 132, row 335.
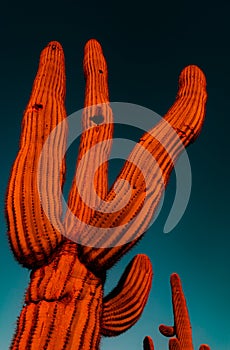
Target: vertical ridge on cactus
column 64, row 304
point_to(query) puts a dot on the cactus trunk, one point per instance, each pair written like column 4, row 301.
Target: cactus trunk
column 63, row 306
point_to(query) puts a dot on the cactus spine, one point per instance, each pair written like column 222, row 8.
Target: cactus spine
column 64, row 304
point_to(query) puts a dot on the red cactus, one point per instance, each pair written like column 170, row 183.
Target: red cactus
column 182, row 328
column 64, row 305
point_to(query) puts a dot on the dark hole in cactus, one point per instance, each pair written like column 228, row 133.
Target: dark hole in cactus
column 100, row 71
column 53, row 47
column 37, row 106
column 181, row 133
column 97, row 119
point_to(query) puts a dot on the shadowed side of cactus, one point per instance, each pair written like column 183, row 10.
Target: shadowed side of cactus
column 148, row 343
column 181, row 330
column 64, row 305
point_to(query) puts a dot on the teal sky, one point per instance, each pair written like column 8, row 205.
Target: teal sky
column 146, row 47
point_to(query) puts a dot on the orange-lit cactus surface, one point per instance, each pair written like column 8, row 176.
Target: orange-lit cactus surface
column 64, row 304
column 181, row 331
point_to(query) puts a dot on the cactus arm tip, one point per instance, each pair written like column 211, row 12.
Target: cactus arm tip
column 148, row 343
column 204, row 347
column 167, row 331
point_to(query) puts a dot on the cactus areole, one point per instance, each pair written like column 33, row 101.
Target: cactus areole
column 64, row 305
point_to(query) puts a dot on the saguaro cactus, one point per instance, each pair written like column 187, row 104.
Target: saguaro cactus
column 64, row 304
column 181, row 331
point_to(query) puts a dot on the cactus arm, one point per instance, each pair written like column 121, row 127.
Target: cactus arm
column 167, row 331
column 186, row 117
column 97, row 127
column 148, row 343
column 174, row 344
column 204, row 347
column 97, row 117
column 31, row 235
column 124, row 305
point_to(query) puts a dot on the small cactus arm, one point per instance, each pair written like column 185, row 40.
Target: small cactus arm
column 119, row 302
column 181, row 330
column 64, row 304
column 148, row 343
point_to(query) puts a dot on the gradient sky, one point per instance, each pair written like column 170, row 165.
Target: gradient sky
column 146, row 47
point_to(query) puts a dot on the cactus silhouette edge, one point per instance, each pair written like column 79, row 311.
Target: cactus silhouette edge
column 64, row 304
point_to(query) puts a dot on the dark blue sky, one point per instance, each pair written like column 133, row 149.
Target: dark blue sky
column 146, row 47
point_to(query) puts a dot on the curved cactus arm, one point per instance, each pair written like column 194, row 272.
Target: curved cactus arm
column 148, row 343
column 204, row 347
column 95, row 144
column 186, row 117
column 167, row 331
column 31, row 234
column 124, row 305
column 174, row 344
